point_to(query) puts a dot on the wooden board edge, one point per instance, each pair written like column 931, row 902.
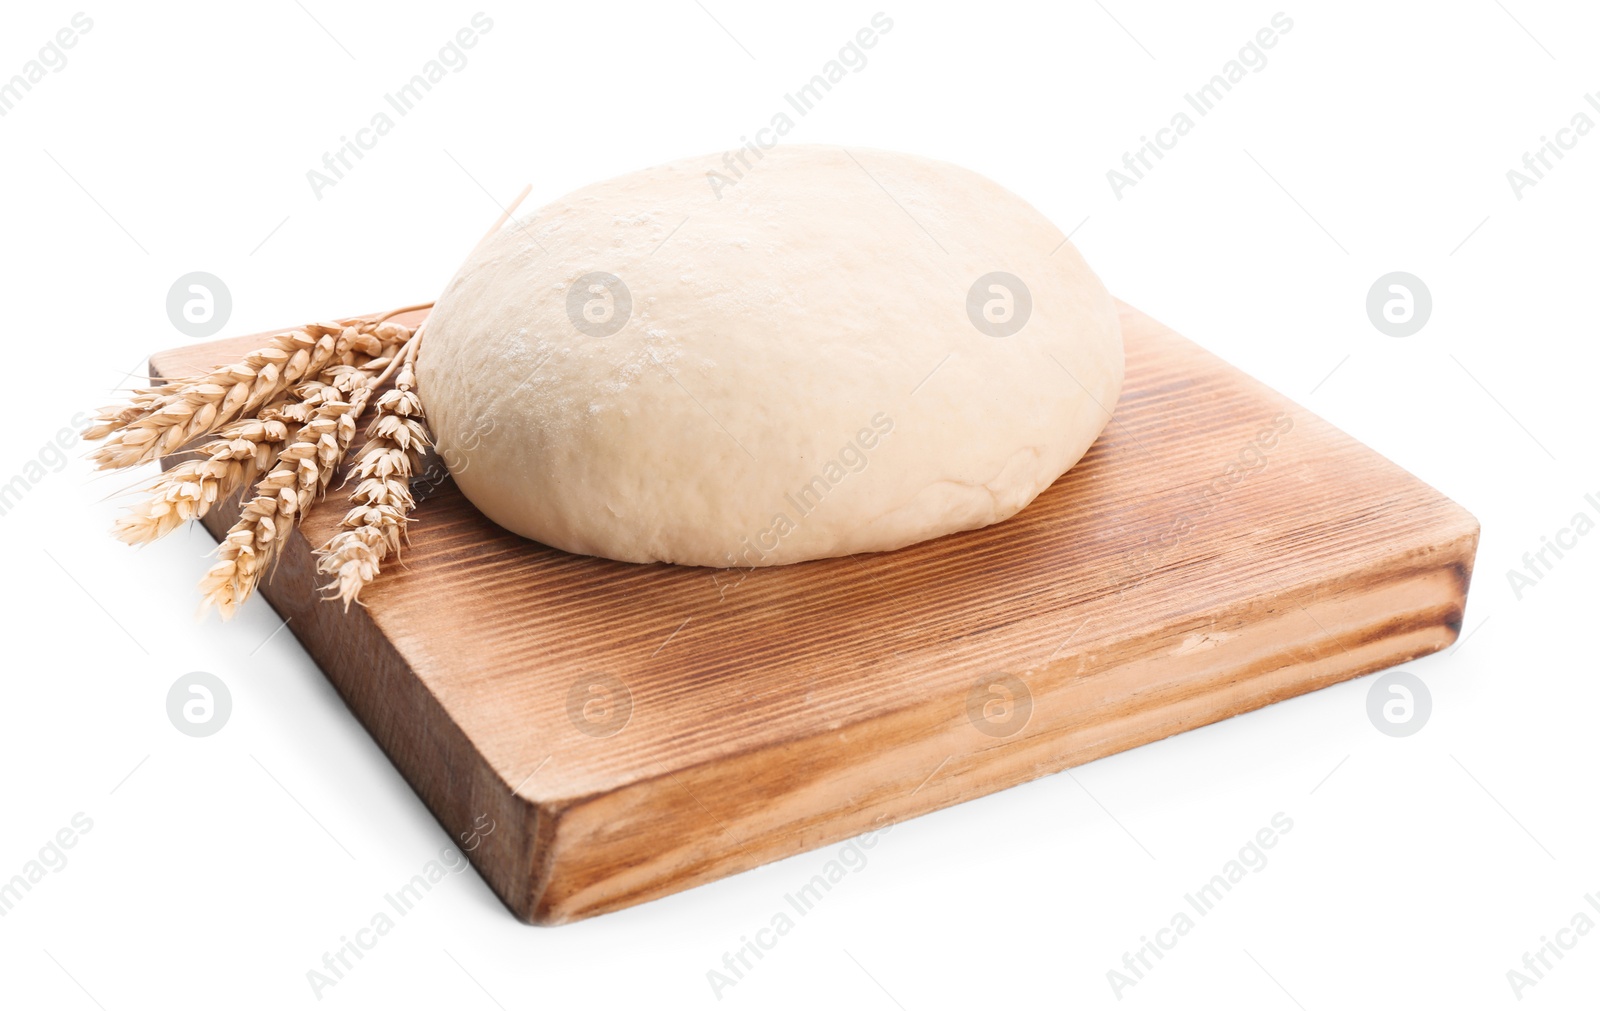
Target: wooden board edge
column 574, row 856
column 495, row 828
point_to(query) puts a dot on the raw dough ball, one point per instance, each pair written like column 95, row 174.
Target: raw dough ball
column 827, row 353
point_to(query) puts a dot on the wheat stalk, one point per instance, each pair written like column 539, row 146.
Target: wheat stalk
column 304, row 469
column 243, row 450
column 159, row 421
column 287, row 411
column 382, row 502
column 191, row 410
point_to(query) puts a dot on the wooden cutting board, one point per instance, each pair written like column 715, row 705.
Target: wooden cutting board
column 597, row 734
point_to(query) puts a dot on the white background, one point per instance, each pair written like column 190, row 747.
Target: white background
column 1377, row 138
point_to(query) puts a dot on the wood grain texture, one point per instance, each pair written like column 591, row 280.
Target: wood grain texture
column 1218, row 549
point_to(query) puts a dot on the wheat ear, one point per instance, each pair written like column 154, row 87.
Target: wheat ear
column 382, row 501
column 242, row 452
column 160, row 421
column 304, row 469
column 191, row 410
